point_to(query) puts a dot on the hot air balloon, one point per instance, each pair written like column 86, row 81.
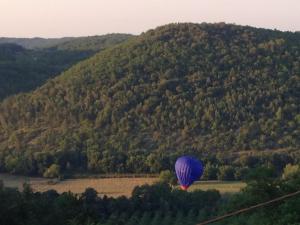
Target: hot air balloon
column 188, row 170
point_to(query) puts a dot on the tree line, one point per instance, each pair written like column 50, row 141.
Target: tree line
column 156, row 204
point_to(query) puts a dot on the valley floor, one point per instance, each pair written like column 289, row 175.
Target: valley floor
column 113, row 187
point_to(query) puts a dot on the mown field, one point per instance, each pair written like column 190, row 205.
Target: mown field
column 107, row 186
column 222, row 186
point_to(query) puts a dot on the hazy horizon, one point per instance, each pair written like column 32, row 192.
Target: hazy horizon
column 73, row 18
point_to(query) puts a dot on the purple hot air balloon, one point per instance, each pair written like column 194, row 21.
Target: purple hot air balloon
column 188, row 170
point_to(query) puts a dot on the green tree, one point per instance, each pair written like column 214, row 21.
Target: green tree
column 167, row 219
column 179, row 219
column 157, row 218
column 52, row 172
column 241, row 173
column 168, row 177
column 226, row 173
column 146, row 218
column 290, row 171
column 210, row 172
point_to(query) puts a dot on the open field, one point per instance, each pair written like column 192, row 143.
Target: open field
column 107, row 186
column 222, row 186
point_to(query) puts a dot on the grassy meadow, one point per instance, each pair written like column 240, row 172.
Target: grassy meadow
column 113, row 187
column 221, row 186
column 104, row 186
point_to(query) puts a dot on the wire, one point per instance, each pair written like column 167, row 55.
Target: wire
column 249, row 208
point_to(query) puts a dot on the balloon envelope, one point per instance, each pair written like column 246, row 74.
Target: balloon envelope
column 188, row 170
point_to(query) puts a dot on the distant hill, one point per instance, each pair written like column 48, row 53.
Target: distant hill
column 179, row 89
column 92, row 43
column 79, row 43
column 24, row 69
column 33, row 43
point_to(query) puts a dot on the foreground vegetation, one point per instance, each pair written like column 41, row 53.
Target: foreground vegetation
column 207, row 90
column 156, row 204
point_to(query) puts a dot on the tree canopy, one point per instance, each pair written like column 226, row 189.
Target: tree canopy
column 23, row 69
column 180, row 88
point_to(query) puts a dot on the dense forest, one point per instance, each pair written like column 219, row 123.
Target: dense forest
column 158, row 204
column 24, row 69
column 92, row 43
column 201, row 89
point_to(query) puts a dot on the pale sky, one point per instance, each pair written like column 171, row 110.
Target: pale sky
column 59, row 18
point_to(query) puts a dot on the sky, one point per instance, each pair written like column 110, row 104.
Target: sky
column 61, row 18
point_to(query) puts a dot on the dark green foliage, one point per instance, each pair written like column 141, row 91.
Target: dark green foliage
column 23, row 70
column 290, row 171
column 210, row 172
column 226, row 173
column 76, row 43
column 179, row 89
column 33, row 43
column 249, row 161
column 157, row 218
column 179, row 219
column 168, row 177
column 134, row 219
column 261, row 173
column 168, row 219
column 92, row 43
column 241, row 173
column 152, row 205
column 52, row 208
column 261, row 190
column 145, row 219
column 52, row 172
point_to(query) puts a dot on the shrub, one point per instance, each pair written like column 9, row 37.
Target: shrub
column 226, row 173
column 210, row 172
column 168, row 177
column 241, row 173
column 52, row 172
column 290, row 171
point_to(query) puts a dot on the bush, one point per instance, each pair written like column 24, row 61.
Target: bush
column 168, row 177
column 241, row 173
column 52, row 172
column 210, row 172
column 262, row 173
column 290, row 171
column 249, row 161
column 226, row 173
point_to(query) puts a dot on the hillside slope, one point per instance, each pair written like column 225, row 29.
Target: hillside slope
column 92, row 43
column 34, row 43
column 23, row 69
column 179, row 88
column 79, row 43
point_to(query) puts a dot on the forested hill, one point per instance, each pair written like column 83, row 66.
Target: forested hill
column 92, row 43
column 23, row 69
column 33, row 43
column 79, row 43
column 180, row 88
